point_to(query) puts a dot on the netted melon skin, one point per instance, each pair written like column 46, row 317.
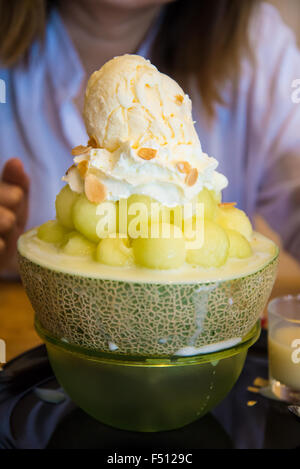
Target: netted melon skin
column 142, row 319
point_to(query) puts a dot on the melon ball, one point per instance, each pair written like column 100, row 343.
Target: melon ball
column 181, row 214
column 78, row 245
column 210, row 205
column 87, row 220
column 115, row 252
column 215, row 249
column 52, row 232
column 167, row 251
column 193, row 227
column 217, row 196
column 64, row 204
column 231, row 218
column 239, row 245
column 142, row 205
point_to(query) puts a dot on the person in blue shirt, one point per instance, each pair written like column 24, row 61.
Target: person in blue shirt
column 237, row 60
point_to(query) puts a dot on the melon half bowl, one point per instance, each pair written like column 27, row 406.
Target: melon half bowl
column 145, row 352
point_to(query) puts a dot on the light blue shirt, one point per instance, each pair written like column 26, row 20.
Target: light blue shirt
column 256, row 137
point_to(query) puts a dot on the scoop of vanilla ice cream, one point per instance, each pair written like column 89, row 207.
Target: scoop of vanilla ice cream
column 128, row 99
column 144, row 140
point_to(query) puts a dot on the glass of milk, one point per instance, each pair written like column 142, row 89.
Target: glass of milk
column 284, row 347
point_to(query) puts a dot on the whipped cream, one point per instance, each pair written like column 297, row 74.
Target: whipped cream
column 123, row 173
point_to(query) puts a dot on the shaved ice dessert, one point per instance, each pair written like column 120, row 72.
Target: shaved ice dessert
column 144, row 260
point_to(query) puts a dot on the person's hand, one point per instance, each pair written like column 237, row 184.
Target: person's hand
column 14, row 188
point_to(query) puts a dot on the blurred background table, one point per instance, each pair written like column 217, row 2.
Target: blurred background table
column 16, row 319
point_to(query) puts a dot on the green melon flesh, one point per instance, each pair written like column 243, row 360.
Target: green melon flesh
column 160, row 253
column 115, row 252
column 215, row 249
column 78, row 245
column 86, row 220
column 232, row 218
column 64, row 203
column 52, row 232
column 239, row 246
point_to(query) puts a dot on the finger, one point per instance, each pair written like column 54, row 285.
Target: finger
column 14, row 173
column 10, row 195
column 2, row 245
column 7, row 220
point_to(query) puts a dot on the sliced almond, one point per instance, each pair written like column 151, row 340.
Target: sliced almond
column 179, row 99
column 253, row 389
column 227, row 204
column 93, row 142
column 95, row 191
column 192, row 177
column 74, row 180
column 147, row 153
column 183, row 167
column 69, row 169
column 251, row 403
column 260, row 382
column 82, row 168
column 80, row 150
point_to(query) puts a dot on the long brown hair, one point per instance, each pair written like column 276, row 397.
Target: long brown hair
column 205, row 37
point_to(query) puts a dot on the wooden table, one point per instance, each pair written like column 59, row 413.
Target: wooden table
column 16, row 319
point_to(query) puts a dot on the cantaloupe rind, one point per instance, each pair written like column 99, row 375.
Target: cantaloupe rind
column 145, row 319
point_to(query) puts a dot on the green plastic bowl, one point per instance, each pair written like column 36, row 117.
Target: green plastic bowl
column 141, row 393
